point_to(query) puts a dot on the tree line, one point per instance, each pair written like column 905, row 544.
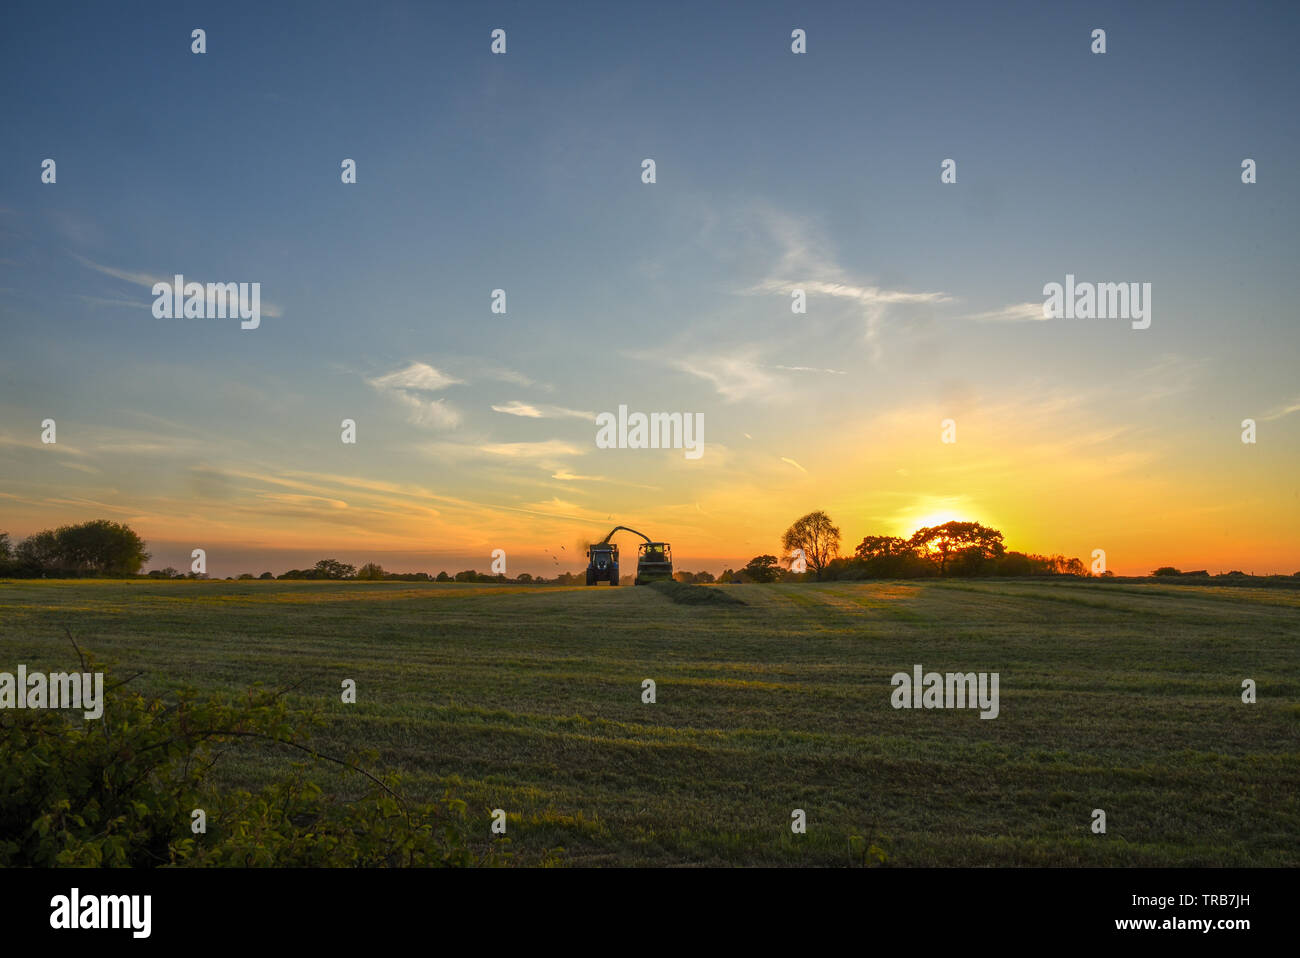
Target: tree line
column 111, row 549
column 951, row 549
column 105, row 548
column 96, row 548
column 374, row 572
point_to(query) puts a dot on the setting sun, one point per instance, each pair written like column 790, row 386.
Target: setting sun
column 935, row 519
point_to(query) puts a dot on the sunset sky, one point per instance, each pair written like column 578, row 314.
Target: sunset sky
column 775, row 171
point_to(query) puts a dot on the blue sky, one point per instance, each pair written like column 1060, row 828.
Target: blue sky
column 522, row 172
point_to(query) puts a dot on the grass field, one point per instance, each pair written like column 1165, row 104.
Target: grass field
column 1120, row 697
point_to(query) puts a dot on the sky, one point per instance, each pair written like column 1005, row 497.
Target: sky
column 774, row 171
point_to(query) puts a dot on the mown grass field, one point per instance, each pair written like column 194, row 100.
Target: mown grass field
column 1120, row 697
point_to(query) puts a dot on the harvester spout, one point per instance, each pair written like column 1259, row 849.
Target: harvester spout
column 625, row 529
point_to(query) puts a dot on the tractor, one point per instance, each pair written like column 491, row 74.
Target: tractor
column 654, row 560
column 602, row 563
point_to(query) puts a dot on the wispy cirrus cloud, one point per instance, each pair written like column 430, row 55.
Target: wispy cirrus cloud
column 864, row 295
column 1015, row 313
column 554, row 505
column 130, row 276
column 874, row 301
column 299, row 500
column 545, row 449
column 812, row 369
column 567, row 476
column 415, row 377
column 531, row 411
column 804, row 261
column 433, row 413
column 60, row 448
column 741, row 377
column 736, row 377
column 149, row 280
column 505, row 375
column 1284, row 410
column 410, row 386
column 1169, row 374
column 107, row 301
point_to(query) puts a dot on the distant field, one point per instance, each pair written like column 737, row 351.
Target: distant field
column 1120, row 697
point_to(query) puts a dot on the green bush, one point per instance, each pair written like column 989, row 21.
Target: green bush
column 120, row 791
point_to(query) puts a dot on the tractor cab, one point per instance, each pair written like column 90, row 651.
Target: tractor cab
column 654, row 562
column 602, row 563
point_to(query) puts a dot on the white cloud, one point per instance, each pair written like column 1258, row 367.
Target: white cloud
column 1015, row 313
column 805, row 262
column 866, row 295
column 103, row 301
column 1279, row 412
column 140, row 279
column 734, row 377
column 504, row 375
column 303, row 500
column 415, row 376
column 1168, row 375
column 548, row 448
column 812, row 369
column 149, row 280
column 517, row 408
column 555, row 505
column 435, row 413
column 410, row 386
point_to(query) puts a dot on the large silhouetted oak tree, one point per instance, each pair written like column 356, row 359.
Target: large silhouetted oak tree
column 817, row 536
column 969, row 540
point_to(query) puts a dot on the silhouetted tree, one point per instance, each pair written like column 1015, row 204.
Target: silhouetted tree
column 762, row 569
column 817, row 536
column 371, row 570
column 970, row 541
column 39, row 552
column 334, row 569
column 98, row 547
column 1015, row 563
column 872, row 547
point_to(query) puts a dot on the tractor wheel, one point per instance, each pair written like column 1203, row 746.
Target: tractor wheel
column 591, row 579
